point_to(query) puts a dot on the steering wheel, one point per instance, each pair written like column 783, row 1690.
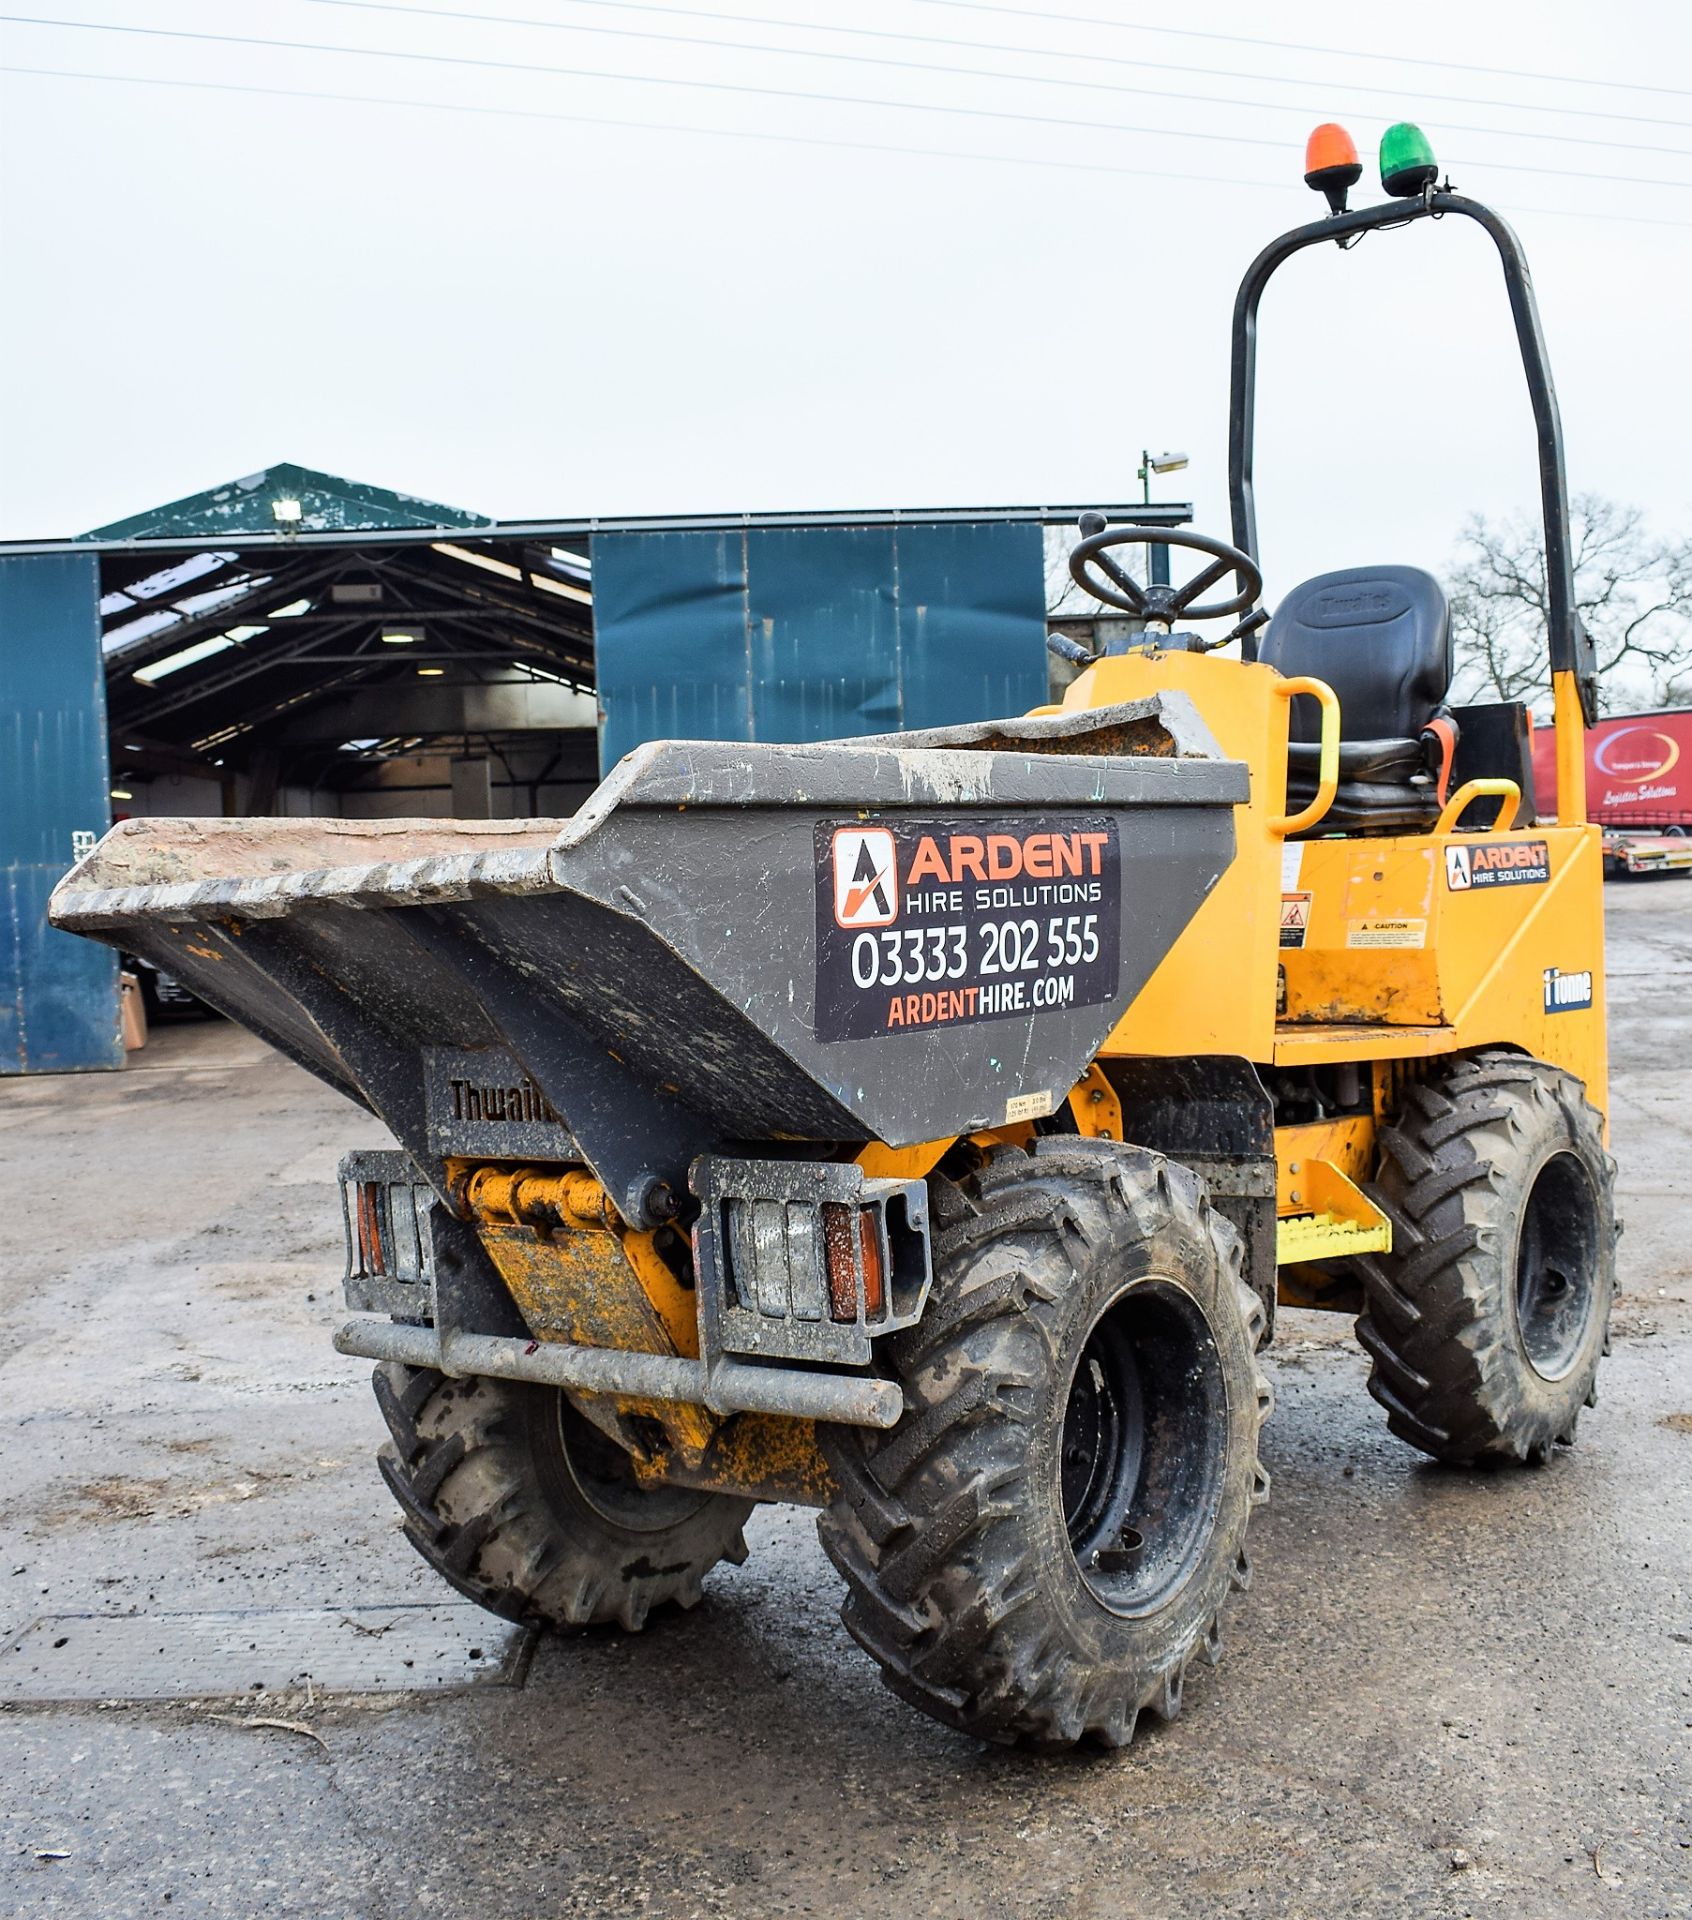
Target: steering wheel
column 1091, row 566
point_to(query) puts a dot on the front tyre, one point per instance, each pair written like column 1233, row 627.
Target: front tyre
column 526, row 1507
column 1488, row 1319
column 1044, row 1543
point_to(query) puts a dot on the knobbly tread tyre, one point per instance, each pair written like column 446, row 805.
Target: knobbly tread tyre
column 490, row 1476
column 943, row 1527
column 1440, row 1323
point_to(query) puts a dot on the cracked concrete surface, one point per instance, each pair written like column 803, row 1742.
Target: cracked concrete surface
column 1447, row 1694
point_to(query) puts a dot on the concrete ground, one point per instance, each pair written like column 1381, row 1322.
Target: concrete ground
column 1446, row 1694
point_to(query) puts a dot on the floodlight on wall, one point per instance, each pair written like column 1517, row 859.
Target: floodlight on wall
column 286, row 513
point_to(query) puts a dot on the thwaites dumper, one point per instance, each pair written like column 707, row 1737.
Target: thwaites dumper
column 925, row 1128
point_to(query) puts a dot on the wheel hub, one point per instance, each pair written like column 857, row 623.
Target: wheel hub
column 604, row 1477
column 1144, row 1442
column 1556, row 1260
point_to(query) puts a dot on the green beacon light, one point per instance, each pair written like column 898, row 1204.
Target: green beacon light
column 1407, row 161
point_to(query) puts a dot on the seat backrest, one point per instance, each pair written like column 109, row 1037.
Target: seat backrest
column 1379, row 636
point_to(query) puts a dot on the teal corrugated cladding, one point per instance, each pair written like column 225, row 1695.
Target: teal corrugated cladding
column 816, row 633
column 58, row 993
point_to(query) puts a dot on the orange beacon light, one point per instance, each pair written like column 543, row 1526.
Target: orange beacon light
column 1331, row 165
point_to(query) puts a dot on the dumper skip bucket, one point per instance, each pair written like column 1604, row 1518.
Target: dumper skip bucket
column 890, row 939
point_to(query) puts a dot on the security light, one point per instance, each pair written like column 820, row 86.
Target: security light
column 286, row 513
column 1166, row 462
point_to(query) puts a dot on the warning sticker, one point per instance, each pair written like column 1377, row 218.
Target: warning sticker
column 1387, row 933
column 1497, row 863
column 929, row 922
column 1295, row 918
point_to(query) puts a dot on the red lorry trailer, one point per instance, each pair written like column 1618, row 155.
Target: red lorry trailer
column 1638, row 787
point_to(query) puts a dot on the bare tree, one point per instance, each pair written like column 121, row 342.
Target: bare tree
column 1633, row 591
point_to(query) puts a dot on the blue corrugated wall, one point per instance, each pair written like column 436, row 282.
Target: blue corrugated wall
column 816, row 633
column 58, row 993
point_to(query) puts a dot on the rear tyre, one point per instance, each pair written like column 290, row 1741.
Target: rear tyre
column 1488, row 1319
column 1045, row 1541
column 529, row 1510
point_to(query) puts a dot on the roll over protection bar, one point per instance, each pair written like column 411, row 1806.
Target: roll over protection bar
column 1570, row 645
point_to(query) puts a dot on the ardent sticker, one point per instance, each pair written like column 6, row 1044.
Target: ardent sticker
column 1387, row 933
column 1497, row 863
column 926, row 923
column 1295, row 919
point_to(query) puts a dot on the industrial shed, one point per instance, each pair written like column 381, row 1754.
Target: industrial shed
column 345, row 665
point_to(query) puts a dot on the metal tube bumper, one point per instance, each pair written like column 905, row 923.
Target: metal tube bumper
column 729, row 1387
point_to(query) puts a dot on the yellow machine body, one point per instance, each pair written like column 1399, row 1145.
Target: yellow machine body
column 1363, row 949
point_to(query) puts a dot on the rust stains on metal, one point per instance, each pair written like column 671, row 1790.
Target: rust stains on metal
column 763, row 1456
column 580, row 1274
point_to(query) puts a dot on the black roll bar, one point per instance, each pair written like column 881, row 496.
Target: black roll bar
column 1570, row 644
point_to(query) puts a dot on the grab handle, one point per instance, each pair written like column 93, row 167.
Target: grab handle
column 1508, row 792
column 1327, row 765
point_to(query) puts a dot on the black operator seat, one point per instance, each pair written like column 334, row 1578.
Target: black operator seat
column 1381, row 638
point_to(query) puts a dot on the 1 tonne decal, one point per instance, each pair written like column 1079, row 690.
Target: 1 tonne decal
column 928, row 923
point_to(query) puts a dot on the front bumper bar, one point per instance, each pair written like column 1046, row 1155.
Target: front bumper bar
column 728, row 1387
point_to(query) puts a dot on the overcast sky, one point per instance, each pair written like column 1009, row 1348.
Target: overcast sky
column 533, row 292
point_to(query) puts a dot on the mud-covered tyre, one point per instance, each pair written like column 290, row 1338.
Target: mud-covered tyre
column 1487, row 1320
column 529, row 1510
column 1044, row 1543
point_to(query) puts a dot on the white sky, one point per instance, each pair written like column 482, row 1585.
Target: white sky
column 550, row 315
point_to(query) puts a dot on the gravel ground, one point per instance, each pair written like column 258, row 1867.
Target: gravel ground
column 1446, row 1694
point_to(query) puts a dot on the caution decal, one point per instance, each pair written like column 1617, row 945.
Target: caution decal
column 928, row 923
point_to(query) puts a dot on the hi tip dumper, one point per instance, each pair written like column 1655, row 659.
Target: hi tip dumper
column 925, row 1128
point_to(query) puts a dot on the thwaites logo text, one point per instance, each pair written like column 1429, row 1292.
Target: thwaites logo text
column 1567, row 992
column 1496, row 863
column 479, row 1100
column 925, row 923
column 484, row 1100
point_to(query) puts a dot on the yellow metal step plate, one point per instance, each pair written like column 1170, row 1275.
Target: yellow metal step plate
column 1326, row 1236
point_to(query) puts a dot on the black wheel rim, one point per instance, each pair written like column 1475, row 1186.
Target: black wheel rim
column 1557, row 1266
column 1144, row 1442
column 604, row 1477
